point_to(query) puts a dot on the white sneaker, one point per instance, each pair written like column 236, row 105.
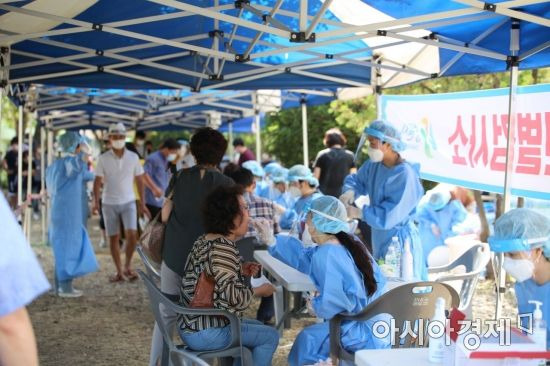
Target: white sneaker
column 73, row 293
column 102, row 244
column 35, row 216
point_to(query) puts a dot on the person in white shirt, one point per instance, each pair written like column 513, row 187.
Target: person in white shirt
column 116, row 170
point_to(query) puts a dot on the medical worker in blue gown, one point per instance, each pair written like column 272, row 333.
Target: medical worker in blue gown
column 393, row 190
column 345, row 275
column 436, row 219
column 279, row 192
column 523, row 235
column 262, row 187
column 73, row 252
column 303, row 188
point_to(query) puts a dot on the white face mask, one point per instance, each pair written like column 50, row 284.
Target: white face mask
column 118, row 144
column 171, row 157
column 520, row 269
column 375, row 155
column 295, row 191
column 306, row 237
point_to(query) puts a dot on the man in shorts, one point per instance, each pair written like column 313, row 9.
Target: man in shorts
column 116, row 170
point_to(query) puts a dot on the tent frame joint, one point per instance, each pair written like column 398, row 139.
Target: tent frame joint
column 215, row 77
column 300, row 37
column 329, row 56
column 239, row 4
column 512, row 61
column 288, row 70
column 241, row 58
column 99, row 52
column 97, row 27
column 100, row 68
column 490, row 7
column 381, row 33
column 215, row 33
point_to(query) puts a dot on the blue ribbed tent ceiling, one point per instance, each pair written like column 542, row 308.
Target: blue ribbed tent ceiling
column 199, row 44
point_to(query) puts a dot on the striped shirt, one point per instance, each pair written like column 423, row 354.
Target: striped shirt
column 220, row 259
column 260, row 207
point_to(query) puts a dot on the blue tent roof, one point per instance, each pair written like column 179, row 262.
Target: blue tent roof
column 243, row 125
column 293, row 99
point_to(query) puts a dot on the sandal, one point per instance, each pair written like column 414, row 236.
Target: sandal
column 116, row 278
column 131, row 275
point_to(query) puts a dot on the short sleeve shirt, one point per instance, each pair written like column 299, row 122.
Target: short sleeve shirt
column 21, row 277
column 335, row 164
column 118, row 176
column 156, row 166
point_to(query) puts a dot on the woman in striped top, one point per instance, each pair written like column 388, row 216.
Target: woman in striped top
column 225, row 218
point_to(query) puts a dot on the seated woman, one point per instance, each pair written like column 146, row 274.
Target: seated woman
column 523, row 236
column 225, row 218
column 345, row 275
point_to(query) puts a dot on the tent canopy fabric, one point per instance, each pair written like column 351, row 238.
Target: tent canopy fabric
column 243, row 125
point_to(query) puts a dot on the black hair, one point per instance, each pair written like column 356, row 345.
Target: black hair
column 243, row 177
column 309, row 184
column 362, row 259
column 230, row 168
column 220, row 209
column 170, row 144
column 140, row 135
column 238, row 142
column 149, row 142
column 208, row 146
column 14, row 140
column 333, row 137
column 131, row 147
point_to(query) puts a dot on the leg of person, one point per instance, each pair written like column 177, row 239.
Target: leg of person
column 103, row 241
column 261, row 339
column 266, row 309
column 170, row 283
column 128, row 215
column 110, row 214
column 66, row 289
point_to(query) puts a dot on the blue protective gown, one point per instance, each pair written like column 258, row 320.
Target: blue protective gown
column 394, row 194
column 295, row 213
column 73, row 252
column 530, row 290
column 262, row 189
column 341, row 289
column 450, row 215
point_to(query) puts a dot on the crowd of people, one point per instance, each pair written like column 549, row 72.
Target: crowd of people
column 217, row 216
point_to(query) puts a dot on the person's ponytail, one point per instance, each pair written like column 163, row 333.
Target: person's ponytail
column 361, row 258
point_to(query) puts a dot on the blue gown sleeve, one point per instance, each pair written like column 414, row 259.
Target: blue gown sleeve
column 402, row 192
column 355, row 182
column 290, row 251
column 459, row 212
column 288, row 218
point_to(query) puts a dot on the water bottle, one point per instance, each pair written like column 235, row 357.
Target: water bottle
column 436, row 346
column 393, row 257
column 407, row 272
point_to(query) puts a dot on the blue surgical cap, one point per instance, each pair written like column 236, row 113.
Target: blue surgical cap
column 254, row 167
column 386, row 132
column 438, row 200
column 69, row 141
column 521, row 229
column 329, row 215
column 302, row 172
column 279, row 175
column 271, row 167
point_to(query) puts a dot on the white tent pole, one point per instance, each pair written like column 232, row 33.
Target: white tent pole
column 42, row 182
column 230, row 145
column 377, row 87
column 304, row 130
column 28, row 210
column 49, row 161
column 20, row 155
column 258, row 128
column 510, row 149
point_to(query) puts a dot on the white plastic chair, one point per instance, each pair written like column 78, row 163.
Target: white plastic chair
column 463, row 273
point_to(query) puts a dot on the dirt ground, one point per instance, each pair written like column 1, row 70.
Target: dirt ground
column 112, row 323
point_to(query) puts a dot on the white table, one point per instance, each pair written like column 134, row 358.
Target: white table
column 287, row 280
column 393, row 357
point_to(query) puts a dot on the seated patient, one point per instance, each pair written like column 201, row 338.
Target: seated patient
column 225, row 218
column 345, row 275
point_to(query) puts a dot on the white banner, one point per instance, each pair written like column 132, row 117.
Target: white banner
column 460, row 138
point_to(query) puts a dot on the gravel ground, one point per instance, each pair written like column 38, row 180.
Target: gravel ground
column 112, row 323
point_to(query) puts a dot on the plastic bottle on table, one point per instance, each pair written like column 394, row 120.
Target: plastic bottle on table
column 393, row 257
column 436, row 347
column 407, row 262
column 539, row 326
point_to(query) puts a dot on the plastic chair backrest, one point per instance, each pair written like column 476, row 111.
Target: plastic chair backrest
column 152, row 271
column 474, row 261
column 406, row 303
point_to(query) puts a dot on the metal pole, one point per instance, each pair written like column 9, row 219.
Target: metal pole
column 377, row 87
column 258, row 136
column 510, row 148
column 230, row 135
column 42, row 183
column 20, row 156
column 28, row 210
column 304, row 131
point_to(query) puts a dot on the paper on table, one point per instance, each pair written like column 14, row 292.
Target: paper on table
column 257, row 282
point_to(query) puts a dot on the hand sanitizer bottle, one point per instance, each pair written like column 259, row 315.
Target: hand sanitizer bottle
column 393, row 257
column 436, row 347
column 539, row 326
column 407, row 262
